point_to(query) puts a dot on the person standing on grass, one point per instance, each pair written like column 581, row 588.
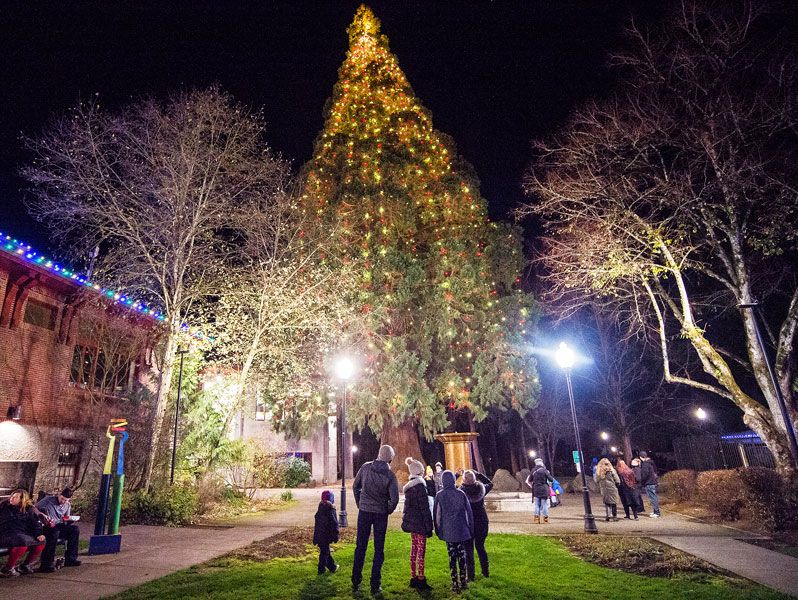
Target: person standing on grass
column 476, row 486
column 454, row 524
column 20, row 530
column 432, row 489
column 648, row 481
column 417, row 521
column 608, row 482
column 630, row 496
column 376, row 496
column 325, row 531
column 539, row 480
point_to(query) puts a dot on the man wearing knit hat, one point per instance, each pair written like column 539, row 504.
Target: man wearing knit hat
column 376, row 495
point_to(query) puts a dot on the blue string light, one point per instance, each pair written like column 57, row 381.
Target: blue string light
column 25, row 252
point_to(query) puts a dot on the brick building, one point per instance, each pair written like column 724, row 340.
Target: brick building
column 72, row 355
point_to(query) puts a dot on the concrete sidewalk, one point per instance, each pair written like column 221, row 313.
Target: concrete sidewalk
column 152, row 552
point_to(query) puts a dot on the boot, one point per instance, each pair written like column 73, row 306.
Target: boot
column 536, row 520
column 545, row 519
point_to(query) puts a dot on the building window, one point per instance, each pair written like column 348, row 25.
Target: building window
column 66, row 473
column 92, row 368
column 40, row 314
column 260, row 411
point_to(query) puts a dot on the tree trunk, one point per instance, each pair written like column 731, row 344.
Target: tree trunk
column 161, row 400
column 524, row 449
column 627, row 446
column 480, row 466
column 404, row 440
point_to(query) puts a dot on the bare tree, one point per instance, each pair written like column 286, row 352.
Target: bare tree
column 676, row 200
column 153, row 185
column 550, row 421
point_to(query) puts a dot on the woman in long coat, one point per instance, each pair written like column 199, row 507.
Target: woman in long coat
column 608, row 482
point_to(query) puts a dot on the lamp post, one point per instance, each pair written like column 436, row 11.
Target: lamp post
column 182, row 352
column 344, row 369
column 565, row 359
column 788, row 426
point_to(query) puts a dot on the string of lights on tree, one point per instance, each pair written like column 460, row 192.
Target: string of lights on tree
column 415, row 219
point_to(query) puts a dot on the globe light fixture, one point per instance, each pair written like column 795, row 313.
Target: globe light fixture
column 701, row 414
column 614, row 449
column 344, row 370
column 532, row 454
column 566, row 358
column 605, row 436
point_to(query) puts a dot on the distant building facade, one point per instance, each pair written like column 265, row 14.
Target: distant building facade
column 72, row 356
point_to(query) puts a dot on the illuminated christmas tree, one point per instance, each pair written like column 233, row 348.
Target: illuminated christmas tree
column 440, row 284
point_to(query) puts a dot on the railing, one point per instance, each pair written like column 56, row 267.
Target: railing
column 709, row 452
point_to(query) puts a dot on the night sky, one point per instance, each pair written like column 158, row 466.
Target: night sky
column 494, row 74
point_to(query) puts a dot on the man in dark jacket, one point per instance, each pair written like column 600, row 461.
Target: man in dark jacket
column 55, row 509
column 648, row 481
column 476, row 486
column 376, row 495
column 325, row 531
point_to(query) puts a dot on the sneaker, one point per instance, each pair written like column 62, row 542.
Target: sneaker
column 422, row 585
column 413, row 582
column 376, row 591
column 12, row 572
column 335, row 568
column 26, row 569
column 47, row 569
column 72, row 563
column 654, row 516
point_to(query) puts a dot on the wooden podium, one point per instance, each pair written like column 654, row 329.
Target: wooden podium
column 457, row 449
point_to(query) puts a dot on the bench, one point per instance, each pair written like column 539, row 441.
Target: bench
column 4, row 551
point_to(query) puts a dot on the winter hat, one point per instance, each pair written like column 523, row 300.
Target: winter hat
column 643, row 454
column 415, row 467
column 469, row 477
column 539, row 462
column 66, row 492
column 448, row 479
column 437, row 464
column 327, row 496
column 386, row 453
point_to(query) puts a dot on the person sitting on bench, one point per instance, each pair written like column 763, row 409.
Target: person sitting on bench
column 56, row 511
column 20, row 529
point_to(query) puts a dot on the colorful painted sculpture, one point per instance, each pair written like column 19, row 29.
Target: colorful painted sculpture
column 101, row 543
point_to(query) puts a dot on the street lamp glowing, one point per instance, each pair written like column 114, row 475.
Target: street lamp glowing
column 532, row 454
column 354, row 449
column 605, row 436
column 344, row 368
column 700, row 413
column 614, row 449
column 564, row 356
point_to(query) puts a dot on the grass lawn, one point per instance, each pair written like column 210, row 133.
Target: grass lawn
column 522, row 567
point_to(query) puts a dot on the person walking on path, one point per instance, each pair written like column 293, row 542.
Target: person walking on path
column 630, row 495
column 648, row 481
column 376, row 496
column 20, row 529
column 454, row 524
column 539, row 480
column 417, row 521
column 325, row 531
column 608, row 482
column 476, row 486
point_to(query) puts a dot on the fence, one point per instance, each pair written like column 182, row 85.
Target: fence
column 708, row 452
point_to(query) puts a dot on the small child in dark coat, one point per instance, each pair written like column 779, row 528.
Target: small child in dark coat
column 326, row 531
column 454, row 524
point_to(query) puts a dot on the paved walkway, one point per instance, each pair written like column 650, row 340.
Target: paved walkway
column 152, row 552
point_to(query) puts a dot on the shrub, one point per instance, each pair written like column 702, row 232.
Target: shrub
column 172, row 506
column 297, row 471
column 678, row 485
column 721, row 492
column 287, row 496
column 768, row 500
